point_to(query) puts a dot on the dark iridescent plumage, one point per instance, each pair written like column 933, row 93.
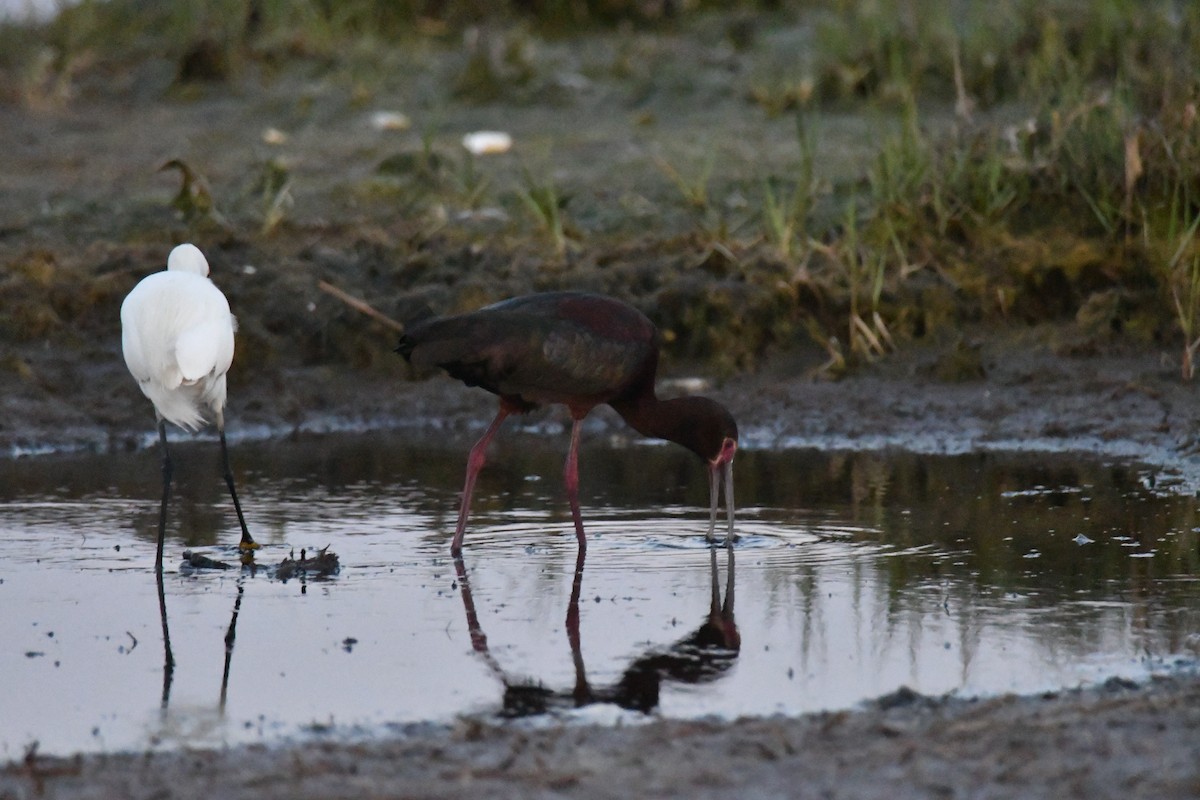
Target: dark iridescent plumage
column 580, row 350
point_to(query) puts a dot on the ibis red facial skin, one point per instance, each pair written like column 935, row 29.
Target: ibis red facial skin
column 177, row 339
column 578, row 350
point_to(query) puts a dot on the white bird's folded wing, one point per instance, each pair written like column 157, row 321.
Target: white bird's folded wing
column 204, row 349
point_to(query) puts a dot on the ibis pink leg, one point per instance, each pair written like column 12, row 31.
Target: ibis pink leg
column 715, row 474
column 714, row 492
column 571, row 477
column 730, row 536
column 474, row 463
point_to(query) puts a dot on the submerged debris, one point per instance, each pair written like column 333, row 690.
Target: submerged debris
column 194, row 560
column 905, row 697
column 320, row 565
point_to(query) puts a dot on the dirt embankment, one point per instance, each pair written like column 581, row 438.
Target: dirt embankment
column 1115, row 741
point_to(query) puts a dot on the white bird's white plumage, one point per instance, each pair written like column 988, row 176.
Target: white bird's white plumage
column 177, row 338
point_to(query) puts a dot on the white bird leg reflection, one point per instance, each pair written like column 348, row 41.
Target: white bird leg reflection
column 230, row 638
column 168, row 655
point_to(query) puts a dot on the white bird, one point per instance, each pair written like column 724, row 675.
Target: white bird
column 177, row 338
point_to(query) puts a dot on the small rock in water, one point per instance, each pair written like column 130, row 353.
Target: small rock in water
column 904, row 696
column 1118, row 684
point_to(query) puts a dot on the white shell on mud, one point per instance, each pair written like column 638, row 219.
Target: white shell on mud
column 487, row 142
column 390, row 121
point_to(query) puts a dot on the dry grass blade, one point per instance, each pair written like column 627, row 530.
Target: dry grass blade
column 360, row 305
column 864, row 333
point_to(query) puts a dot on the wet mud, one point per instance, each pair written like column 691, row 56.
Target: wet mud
column 1115, row 741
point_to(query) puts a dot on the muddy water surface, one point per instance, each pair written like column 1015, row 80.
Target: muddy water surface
column 856, row 574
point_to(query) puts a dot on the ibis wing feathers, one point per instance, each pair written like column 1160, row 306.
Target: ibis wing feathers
column 581, row 363
column 478, row 350
column 528, row 354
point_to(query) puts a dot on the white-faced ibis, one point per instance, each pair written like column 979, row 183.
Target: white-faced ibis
column 580, row 350
column 177, row 337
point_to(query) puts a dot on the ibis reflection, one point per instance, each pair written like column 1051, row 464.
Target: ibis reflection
column 703, row 656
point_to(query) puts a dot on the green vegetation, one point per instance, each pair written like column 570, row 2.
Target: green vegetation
column 786, row 209
column 545, row 206
column 1030, row 160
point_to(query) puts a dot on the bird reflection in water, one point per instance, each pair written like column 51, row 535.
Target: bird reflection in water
column 317, row 564
column 168, row 654
column 231, row 637
column 704, row 656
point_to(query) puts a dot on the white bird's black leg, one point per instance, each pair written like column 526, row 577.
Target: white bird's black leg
column 168, row 655
column 247, row 542
column 167, row 470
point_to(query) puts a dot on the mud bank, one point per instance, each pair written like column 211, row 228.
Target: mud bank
column 1124, row 403
column 1115, row 741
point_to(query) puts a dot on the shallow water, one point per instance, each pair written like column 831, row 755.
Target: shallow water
column 856, row 574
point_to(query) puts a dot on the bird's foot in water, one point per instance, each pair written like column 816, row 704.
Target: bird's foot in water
column 248, row 545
